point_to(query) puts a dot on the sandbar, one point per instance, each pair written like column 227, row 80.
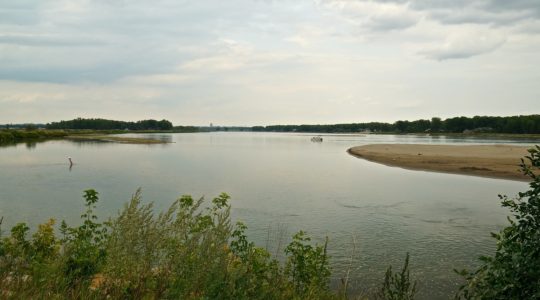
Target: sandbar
column 495, row 161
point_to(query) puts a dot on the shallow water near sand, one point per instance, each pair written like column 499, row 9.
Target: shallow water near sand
column 280, row 183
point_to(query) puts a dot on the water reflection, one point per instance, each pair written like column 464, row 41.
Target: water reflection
column 166, row 138
column 7, row 144
column 30, row 145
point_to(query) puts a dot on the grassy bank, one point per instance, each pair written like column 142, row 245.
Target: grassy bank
column 17, row 136
column 10, row 136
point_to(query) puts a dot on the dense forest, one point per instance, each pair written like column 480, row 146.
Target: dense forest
column 103, row 124
column 526, row 124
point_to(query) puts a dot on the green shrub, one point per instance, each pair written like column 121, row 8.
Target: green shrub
column 84, row 246
column 513, row 272
column 25, row 263
column 254, row 274
column 307, row 265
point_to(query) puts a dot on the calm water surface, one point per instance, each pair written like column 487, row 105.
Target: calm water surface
column 279, row 183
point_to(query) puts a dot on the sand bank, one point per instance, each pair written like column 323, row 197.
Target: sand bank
column 497, row 161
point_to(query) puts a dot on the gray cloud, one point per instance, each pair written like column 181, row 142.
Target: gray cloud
column 465, row 45
column 522, row 5
column 391, row 22
column 497, row 12
column 256, row 62
column 18, row 17
column 476, row 16
column 103, row 41
column 459, row 51
column 50, row 40
column 375, row 16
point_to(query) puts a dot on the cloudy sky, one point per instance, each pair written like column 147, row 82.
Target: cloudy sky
column 261, row 62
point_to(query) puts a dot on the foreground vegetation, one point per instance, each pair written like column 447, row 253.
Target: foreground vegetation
column 186, row 252
column 194, row 252
column 513, row 272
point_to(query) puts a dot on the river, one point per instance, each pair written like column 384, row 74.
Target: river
column 280, row 183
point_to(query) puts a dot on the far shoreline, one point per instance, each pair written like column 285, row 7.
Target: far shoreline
column 114, row 139
column 493, row 161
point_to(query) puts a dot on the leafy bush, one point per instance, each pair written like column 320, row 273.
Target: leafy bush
column 514, row 271
column 307, row 266
column 84, row 246
column 24, row 262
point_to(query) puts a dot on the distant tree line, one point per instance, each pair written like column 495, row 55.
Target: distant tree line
column 523, row 124
column 27, row 126
column 526, row 124
column 103, row 124
column 224, row 128
column 185, row 129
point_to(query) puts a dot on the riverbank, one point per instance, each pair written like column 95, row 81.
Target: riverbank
column 12, row 136
column 496, row 161
column 19, row 136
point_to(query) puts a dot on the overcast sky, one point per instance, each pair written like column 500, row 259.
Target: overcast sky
column 261, row 62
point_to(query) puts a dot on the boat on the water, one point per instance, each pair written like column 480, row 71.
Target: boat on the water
column 317, row 139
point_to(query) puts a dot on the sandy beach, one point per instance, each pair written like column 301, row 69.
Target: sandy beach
column 497, row 161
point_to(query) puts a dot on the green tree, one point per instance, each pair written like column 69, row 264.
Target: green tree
column 401, row 126
column 436, row 124
column 30, row 127
column 103, row 124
